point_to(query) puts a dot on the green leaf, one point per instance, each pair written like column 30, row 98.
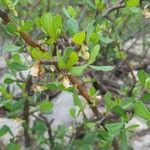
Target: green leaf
column 127, row 104
column 92, row 91
column 55, row 86
column 101, row 68
column 72, row 59
column 27, row 26
column 141, row 110
column 39, row 127
column 132, row 3
column 114, row 128
column 67, row 53
column 94, row 37
column 135, row 10
column 89, row 30
column 18, row 105
column 72, row 26
column 108, row 101
column 4, row 130
column 7, row 95
column 100, row 5
column 61, row 63
column 10, row 28
column 106, row 40
column 103, row 135
column 148, row 123
column 132, row 127
column 66, row 12
column 78, row 70
column 45, row 106
column 89, row 138
column 123, row 140
column 47, row 21
column 72, row 11
column 77, row 101
column 52, row 25
column 9, row 80
column 61, row 132
column 16, row 58
column 94, row 53
column 90, row 125
column 121, row 54
column 145, row 98
column 10, row 47
column 58, row 24
column 39, row 55
column 79, row 38
column 147, row 84
column 142, row 76
column 13, row 146
column 90, row 5
column 72, row 112
column 17, row 66
column 120, row 112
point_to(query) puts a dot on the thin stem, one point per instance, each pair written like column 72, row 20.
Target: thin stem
column 116, row 6
column 48, row 125
column 26, row 113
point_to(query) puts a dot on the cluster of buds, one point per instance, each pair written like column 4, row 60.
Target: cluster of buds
column 83, row 53
column 95, row 100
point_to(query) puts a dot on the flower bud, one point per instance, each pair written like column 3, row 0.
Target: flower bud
column 66, row 82
column 86, row 55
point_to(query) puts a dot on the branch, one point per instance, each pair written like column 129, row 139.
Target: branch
column 4, row 17
column 27, row 38
column 26, row 113
column 116, row 6
column 83, row 91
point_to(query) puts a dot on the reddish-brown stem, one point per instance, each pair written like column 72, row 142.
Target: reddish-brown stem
column 4, row 17
column 27, row 38
column 83, row 91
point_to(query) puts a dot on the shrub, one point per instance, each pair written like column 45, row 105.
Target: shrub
column 67, row 51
